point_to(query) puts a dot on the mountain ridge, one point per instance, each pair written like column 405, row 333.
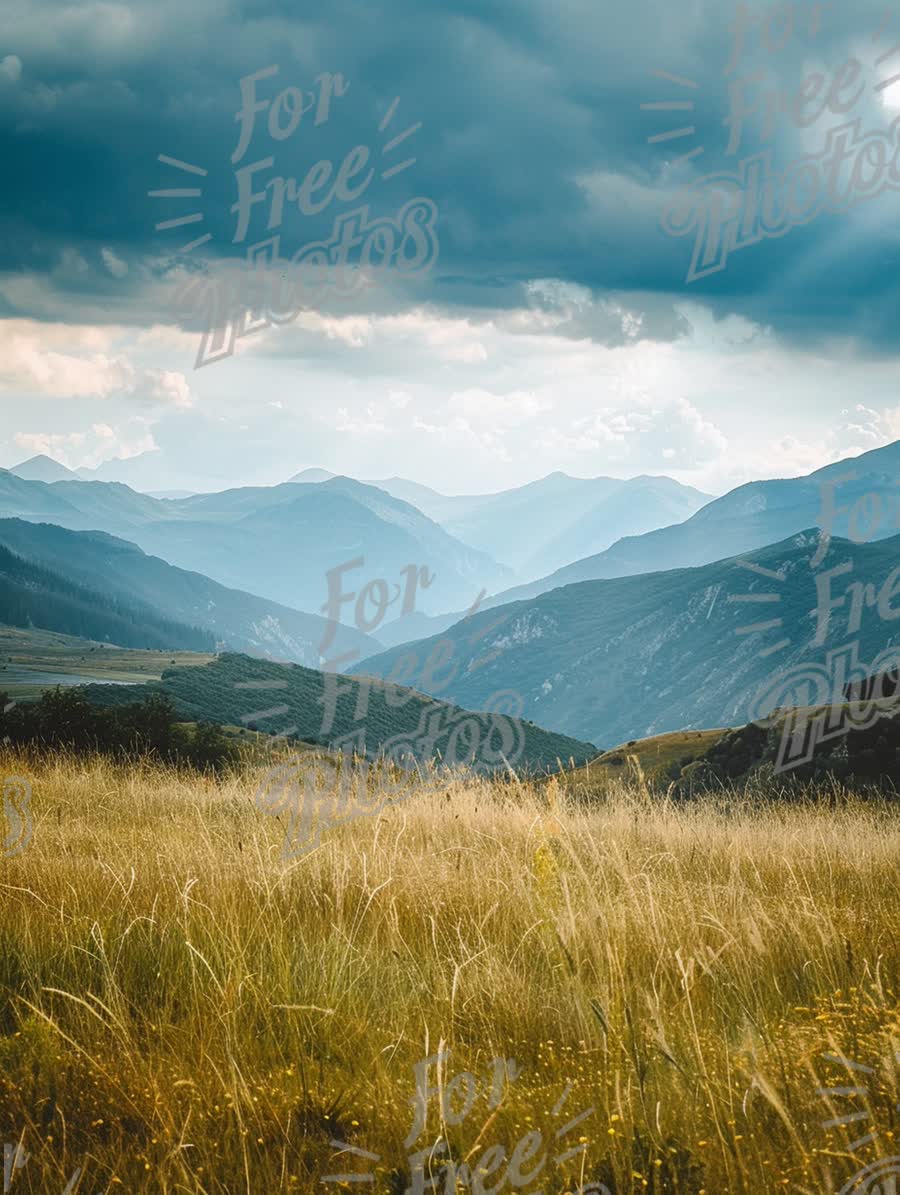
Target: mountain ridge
column 749, row 517
column 238, row 618
column 629, row 657
column 32, row 595
column 279, row 542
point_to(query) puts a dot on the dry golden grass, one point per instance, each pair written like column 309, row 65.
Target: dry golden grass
column 653, row 755
column 180, row 1011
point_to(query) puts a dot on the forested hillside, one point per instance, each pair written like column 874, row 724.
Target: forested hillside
column 368, row 716
column 32, row 596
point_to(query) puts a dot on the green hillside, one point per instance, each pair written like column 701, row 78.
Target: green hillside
column 367, row 716
column 653, row 758
column 34, row 596
column 814, row 744
column 803, row 745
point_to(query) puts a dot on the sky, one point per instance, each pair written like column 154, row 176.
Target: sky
column 473, row 247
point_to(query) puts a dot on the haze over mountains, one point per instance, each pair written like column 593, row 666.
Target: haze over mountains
column 277, row 541
column 538, row 527
column 43, row 468
column 635, row 639
column 530, row 530
column 119, row 570
column 254, row 537
column 136, row 471
column 865, row 490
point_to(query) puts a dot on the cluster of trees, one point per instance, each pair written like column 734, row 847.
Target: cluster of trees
column 864, row 755
column 65, row 718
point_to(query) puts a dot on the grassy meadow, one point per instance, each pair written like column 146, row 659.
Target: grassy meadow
column 183, row 1011
column 33, row 661
column 652, row 755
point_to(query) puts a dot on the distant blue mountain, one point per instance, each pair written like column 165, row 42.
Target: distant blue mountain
column 120, row 571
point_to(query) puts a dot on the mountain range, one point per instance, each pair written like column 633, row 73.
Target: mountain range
column 539, row 527
column 136, row 472
column 640, row 638
column 865, row 488
column 624, row 658
column 120, row 570
column 276, row 541
column 528, row 531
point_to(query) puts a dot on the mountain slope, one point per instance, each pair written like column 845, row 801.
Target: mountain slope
column 236, row 690
column 242, row 620
column 36, row 500
column 277, row 541
column 537, row 527
column 311, row 476
column 43, row 468
column 33, row 596
column 747, row 518
column 548, row 523
column 141, row 472
column 631, row 657
column 285, row 542
column 636, row 506
column 429, row 501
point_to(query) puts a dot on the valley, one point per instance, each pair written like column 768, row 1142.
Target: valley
column 449, row 626
column 33, row 661
column 397, row 795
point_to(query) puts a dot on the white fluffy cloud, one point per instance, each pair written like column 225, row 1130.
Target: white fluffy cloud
column 64, row 361
column 497, row 410
column 858, row 429
column 99, row 443
column 676, row 435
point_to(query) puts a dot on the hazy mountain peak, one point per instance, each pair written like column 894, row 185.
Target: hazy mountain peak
column 745, row 519
column 886, row 457
column 311, row 476
column 43, row 468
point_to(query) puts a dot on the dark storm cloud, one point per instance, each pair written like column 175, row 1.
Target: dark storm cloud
column 533, row 145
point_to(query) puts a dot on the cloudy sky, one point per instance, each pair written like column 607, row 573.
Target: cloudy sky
column 554, row 323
